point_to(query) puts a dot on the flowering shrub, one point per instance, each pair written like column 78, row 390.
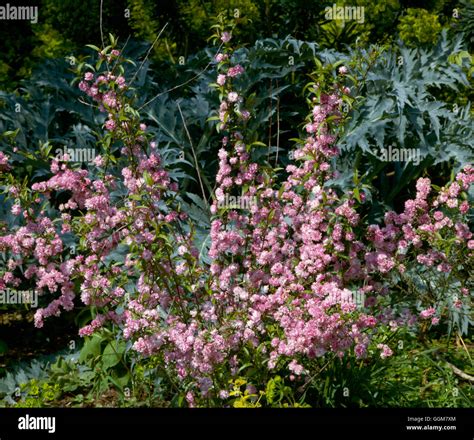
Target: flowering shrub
column 295, row 277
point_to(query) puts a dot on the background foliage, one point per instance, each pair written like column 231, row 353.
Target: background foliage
column 410, row 69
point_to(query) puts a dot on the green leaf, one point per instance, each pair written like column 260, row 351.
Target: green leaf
column 93, row 47
column 148, row 179
column 113, row 354
column 258, row 144
column 91, row 348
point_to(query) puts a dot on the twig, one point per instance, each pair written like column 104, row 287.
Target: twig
column 278, row 128
column 100, row 24
column 270, row 122
column 183, row 84
column 148, row 53
column 455, row 369
column 86, row 103
column 194, row 155
column 465, row 348
column 303, row 387
column 459, row 372
column 122, row 49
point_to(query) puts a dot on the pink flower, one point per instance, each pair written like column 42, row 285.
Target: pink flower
column 386, row 351
column 236, row 70
column 427, row 313
column 423, row 187
column 438, row 215
column 241, row 293
column 245, row 115
column 110, row 99
column 3, row 161
column 221, row 79
column 190, row 399
column 221, row 57
column 110, row 125
column 83, row 86
column 99, row 161
column 295, row 367
column 233, row 97
column 360, row 350
column 343, row 70
column 120, row 81
column 464, row 207
column 226, row 36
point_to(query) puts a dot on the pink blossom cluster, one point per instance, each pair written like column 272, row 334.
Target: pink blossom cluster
column 39, row 244
column 3, row 162
column 104, row 90
column 286, row 272
column 267, row 273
